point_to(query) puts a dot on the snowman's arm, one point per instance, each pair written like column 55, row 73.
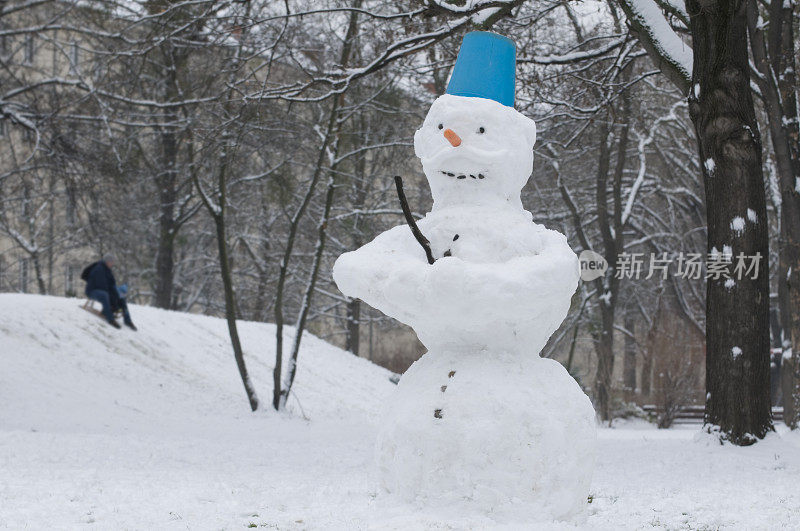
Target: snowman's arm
column 506, row 288
column 384, row 272
column 555, row 268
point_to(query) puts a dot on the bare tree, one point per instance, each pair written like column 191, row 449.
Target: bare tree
column 773, row 52
column 714, row 73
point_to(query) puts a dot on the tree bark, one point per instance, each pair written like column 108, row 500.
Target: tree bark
column 230, row 310
column 607, row 285
column 37, row 269
column 279, row 395
column 609, row 221
column 605, row 362
column 353, row 324
column 51, row 215
column 789, row 376
column 260, row 306
column 165, row 254
column 647, row 375
column 305, row 306
column 773, row 55
column 283, row 270
column 629, row 362
column 166, row 182
column 353, row 311
column 227, row 155
column 217, row 213
column 737, row 324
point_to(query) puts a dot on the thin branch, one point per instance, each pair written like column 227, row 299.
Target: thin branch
column 423, row 241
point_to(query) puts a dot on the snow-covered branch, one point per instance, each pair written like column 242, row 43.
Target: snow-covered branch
column 666, row 48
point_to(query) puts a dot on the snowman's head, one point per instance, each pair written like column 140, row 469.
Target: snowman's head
column 475, row 151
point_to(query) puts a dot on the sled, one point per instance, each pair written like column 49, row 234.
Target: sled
column 89, row 307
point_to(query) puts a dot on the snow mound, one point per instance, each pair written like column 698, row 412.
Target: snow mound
column 63, row 368
column 521, row 450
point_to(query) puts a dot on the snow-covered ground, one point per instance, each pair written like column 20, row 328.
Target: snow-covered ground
column 151, row 430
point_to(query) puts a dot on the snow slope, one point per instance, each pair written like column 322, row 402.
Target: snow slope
column 111, row 429
column 151, row 429
column 64, row 368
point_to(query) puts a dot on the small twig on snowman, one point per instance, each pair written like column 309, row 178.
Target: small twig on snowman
column 423, row 241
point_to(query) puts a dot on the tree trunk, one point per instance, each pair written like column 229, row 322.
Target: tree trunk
column 217, row 213
column 167, row 182
column 260, row 310
column 647, row 375
column 305, row 306
column 789, row 375
column 279, row 396
column 165, row 263
column 605, row 362
column 610, row 227
column 629, row 362
column 230, row 309
column 227, row 156
column 51, row 215
column 775, row 358
column 37, row 269
column 283, row 270
column 773, row 55
column 782, row 55
column 789, row 290
column 353, row 324
column 789, row 270
column 737, row 324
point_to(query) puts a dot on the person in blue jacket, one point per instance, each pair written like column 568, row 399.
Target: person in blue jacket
column 102, row 287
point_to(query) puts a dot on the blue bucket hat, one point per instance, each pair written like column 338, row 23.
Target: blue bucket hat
column 485, row 68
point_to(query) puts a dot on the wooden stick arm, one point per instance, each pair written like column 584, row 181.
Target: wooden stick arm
column 423, row 241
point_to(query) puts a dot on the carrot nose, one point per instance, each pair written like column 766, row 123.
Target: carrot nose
column 452, row 137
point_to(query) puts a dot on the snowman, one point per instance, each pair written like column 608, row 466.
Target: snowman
column 481, row 422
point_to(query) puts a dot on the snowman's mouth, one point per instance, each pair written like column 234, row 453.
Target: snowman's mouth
column 459, row 175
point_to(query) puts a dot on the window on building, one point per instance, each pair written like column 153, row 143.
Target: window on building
column 23, row 275
column 74, row 58
column 69, row 281
column 29, row 49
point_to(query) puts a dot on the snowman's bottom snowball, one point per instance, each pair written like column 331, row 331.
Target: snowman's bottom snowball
column 495, row 433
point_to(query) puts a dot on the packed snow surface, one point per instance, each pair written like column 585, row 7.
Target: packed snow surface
column 111, row 429
column 513, row 435
column 57, row 351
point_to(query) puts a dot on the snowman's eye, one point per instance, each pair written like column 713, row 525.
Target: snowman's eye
column 441, row 126
column 481, row 130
